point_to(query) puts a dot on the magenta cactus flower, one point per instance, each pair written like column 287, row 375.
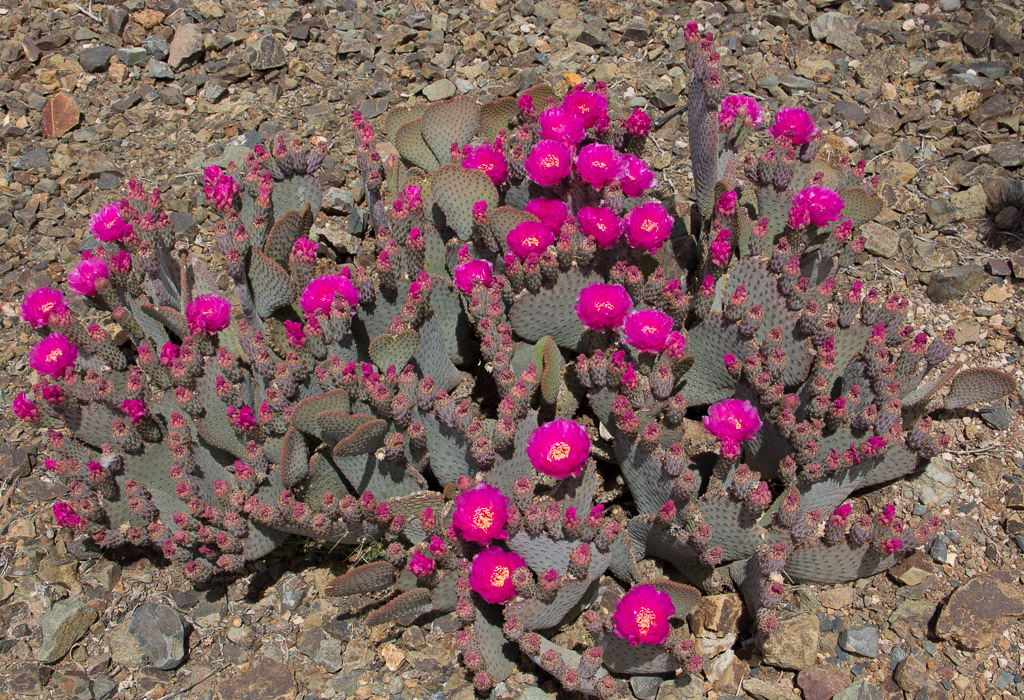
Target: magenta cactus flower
column 734, row 107
column 548, row 162
column 642, row 616
column 479, row 215
column 52, row 355
column 601, row 224
column 490, row 574
column 550, row 212
column 487, row 160
column 815, row 205
column 304, row 250
column 559, row 448
column 120, row 262
column 135, row 409
column 603, row 306
column 795, row 125
column 294, row 333
column 647, row 226
column 562, row 125
column 320, row 292
column 85, row 277
column 421, row 565
column 721, row 247
column 648, row 330
column 529, row 238
column 597, row 164
column 732, row 421
column 635, row 178
column 107, row 226
column 65, row 515
column 638, row 123
column 24, row 408
column 470, row 272
column 39, row 304
column 591, row 107
column 727, row 203
column 208, row 314
column 481, row 513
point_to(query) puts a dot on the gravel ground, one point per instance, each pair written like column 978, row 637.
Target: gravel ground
column 930, row 93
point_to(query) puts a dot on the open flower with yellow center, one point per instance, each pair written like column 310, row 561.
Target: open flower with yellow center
column 642, row 616
column 648, row 330
column 559, row 448
column 529, row 238
column 490, row 574
column 548, row 163
column 52, row 355
column 603, row 306
column 732, row 421
column 480, row 514
column 647, row 226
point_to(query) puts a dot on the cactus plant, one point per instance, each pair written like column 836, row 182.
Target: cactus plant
column 515, row 341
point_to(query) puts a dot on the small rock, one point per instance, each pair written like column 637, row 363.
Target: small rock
column 63, row 625
column 1009, row 154
column 148, row 18
column 158, row 70
column 103, row 687
column 717, row 613
column 822, row 681
column 911, row 674
column 1008, row 219
column 293, row 592
column 440, row 90
column 95, row 59
column 998, row 417
column 997, row 293
column 60, row 115
column 764, row 690
column 187, row 42
column 28, row 679
column 265, row 680
column 337, row 200
column 862, row 641
column 157, row 47
column 133, row 56
column 794, row 644
column 32, row 159
column 268, row 55
column 935, row 486
column 159, row 631
column 977, row 612
column 643, row 687
column 839, row 30
column 949, row 5
column 912, row 570
column 328, row 655
column 881, row 240
column 862, row 689
column 955, row 283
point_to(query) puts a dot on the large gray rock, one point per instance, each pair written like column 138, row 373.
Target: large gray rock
column 95, row 59
column 159, row 631
column 187, row 42
column 839, row 30
column 63, row 625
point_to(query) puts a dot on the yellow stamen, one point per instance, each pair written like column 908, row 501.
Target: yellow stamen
column 550, row 161
column 532, row 241
column 644, row 619
column 604, row 306
column 54, row 355
column 560, row 450
column 499, row 575
column 483, row 518
column 649, row 225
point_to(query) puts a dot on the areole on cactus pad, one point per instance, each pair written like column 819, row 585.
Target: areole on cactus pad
column 521, row 332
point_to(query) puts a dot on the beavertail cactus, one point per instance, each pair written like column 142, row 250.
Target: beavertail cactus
column 516, row 340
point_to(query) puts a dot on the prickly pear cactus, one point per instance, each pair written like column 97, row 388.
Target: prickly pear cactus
column 514, row 344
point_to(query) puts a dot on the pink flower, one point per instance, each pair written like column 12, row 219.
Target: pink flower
column 548, row 163
column 169, row 353
column 319, row 293
column 84, row 276
column 720, row 248
column 529, row 238
column 601, row 224
column 479, row 214
column 603, row 306
column 727, row 204
column 550, row 212
column 642, row 616
column 107, row 225
column 294, row 334
column 208, row 313
column 120, row 262
column 135, row 410
column 481, row 513
column 635, row 178
column 733, row 106
column 65, row 515
column 817, row 205
column 561, row 125
column 648, row 330
column 52, row 355
column 638, row 123
column 892, row 546
column 490, row 574
column 559, row 448
column 732, row 421
column 794, row 124
column 39, row 304
column 647, row 226
column 591, row 107
column 598, row 164
column 219, row 187
column 25, row 409
column 487, row 160
column 421, row 565
column 469, row 272
column 243, row 417
column 304, row 251
column 525, row 104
